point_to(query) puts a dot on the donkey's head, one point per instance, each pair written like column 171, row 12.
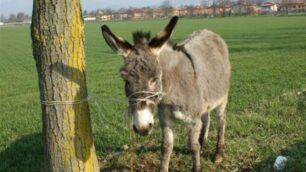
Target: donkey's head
column 141, row 72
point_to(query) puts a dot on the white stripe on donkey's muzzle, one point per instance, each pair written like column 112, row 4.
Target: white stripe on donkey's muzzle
column 143, row 121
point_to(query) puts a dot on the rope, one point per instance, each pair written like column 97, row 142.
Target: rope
column 74, row 102
column 152, row 94
column 71, row 102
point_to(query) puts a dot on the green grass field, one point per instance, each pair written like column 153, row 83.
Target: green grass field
column 266, row 115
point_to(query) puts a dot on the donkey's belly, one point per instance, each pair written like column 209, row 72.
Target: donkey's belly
column 211, row 105
column 179, row 115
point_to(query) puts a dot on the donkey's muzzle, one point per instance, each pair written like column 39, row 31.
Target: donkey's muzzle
column 143, row 121
column 143, row 131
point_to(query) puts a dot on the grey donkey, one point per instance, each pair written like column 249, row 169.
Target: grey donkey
column 186, row 81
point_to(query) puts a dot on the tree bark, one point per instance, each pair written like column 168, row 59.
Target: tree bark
column 58, row 49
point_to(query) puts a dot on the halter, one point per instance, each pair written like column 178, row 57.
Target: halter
column 148, row 98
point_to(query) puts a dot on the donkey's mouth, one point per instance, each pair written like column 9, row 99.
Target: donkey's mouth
column 143, row 132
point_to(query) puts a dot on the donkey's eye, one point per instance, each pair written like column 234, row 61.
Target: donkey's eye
column 152, row 83
column 153, row 80
column 127, row 84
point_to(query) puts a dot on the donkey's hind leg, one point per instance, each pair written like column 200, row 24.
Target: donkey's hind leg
column 194, row 145
column 220, row 129
column 204, row 130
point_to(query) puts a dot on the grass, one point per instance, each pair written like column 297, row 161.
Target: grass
column 266, row 117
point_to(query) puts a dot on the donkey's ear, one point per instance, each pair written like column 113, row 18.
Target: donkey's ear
column 163, row 36
column 118, row 44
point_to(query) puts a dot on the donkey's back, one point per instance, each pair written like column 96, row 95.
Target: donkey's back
column 202, row 65
column 209, row 54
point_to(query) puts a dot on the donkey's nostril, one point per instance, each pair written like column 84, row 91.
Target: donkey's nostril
column 143, row 131
column 134, row 128
column 142, row 104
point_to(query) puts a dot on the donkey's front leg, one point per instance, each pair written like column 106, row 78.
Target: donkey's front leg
column 167, row 147
column 166, row 123
column 194, row 133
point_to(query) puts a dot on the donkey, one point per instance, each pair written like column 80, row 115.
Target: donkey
column 186, row 81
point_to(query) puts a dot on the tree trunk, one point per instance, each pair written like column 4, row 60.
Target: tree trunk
column 58, row 49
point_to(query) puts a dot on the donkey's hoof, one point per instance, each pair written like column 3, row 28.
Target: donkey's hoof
column 218, row 159
column 196, row 169
column 163, row 170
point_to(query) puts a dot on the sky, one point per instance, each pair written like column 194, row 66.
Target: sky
column 14, row 6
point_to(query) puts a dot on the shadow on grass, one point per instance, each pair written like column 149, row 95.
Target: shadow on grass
column 25, row 154
column 302, row 102
column 184, row 151
column 262, row 49
column 296, row 154
column 146, row 158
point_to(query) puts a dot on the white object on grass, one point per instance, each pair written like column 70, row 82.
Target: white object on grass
column 279, row 163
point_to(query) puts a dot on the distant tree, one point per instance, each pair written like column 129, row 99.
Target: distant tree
column 247, row 7
column 166, row 7
column 166, row 4
column 27, row 17
column 85, row 13
column 130, row 12
column 12, row 18
column 242, row 7
column 189, row 9
column 214, row 6
column 3, row 18
column 206, row 3
column 149, row 12
column 93, row 12
column 223, row 5
column 108, row 11
column 285, row 6
column 250, row 7
column 20, row 17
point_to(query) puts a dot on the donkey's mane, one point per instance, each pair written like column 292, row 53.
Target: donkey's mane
column 141, row 38
column 189, row 39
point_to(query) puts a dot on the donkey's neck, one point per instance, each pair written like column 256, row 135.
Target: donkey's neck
column 178, row 74
column 174, row 56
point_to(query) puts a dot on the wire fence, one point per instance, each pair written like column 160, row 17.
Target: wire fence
column 112, row 126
